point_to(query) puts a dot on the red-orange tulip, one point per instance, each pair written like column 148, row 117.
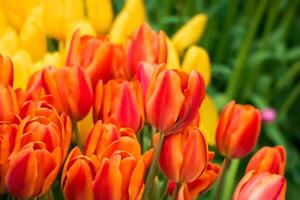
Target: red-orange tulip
column 121, row 176
column 78, row 175
column 172, row 99
column 122, row 104
column 184, row 155
column 9, row 105
column 145, row 45
column 268, row 159
column 260, row 187
column 238, row 130
column 100, row 58
column 7, row 142
column 6, row 71
column 72, row 89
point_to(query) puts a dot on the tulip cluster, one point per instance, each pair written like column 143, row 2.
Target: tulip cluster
column 118, row 90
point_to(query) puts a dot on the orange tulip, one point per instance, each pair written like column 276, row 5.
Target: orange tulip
column 172, row 99
column 121, row 175
column 238, row 130
column 145, row 45
column 184, row 155
column 72, row 89
column 268, row 159
column 100, row 58
column 122, row 104
column 260, row 186
column 9, row 104
column 32, row 170
column 7, row 141
column 6, row 71
column 78, row 175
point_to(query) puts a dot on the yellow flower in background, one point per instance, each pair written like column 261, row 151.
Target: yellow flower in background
column 49, row 59
column 130, row 18
column 100, row 14
column 9, row 42
column 22, row 68
column 189, row 33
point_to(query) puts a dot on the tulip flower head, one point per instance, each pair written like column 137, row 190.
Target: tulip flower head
column 6, row 71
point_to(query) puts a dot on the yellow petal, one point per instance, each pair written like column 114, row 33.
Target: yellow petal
column 190, row 32
column 74, row 13
column 32, row 35
column 197, row 58
column 50, row 59
column 3, row 22
column 84, row 126
column 22, row 64
column 173, row 61
column 85, row 28
column 9, row 42
column 100, row 14
column 130, row 18
column 209, row 119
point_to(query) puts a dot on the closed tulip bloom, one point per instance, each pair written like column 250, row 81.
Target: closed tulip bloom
column 78, row 175
column 260, row 186
column 121, row 175
column 96, row 55
column 145, row 45
column 8, row 103
column 32, row 170
column 6, row 71
column 122, row 104
column 7, row 142
column 268, row 159
column 183, row 157
column 174, row 114
column 238, row 130
column 72, row 89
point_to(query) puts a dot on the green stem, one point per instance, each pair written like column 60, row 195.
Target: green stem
column 233, row 85
column 153, row 167
column 77, row 136
column 226, row 164
column 175, row 192
column 289, row 16
column 230, row 178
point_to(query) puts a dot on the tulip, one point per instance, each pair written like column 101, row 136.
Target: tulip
column 177, row 158
column 145, row 45
column 22, row 71
column 127, row 21
column 100, row 14
column 9, row 42
column 7, row 141
column 6, row 71
column 78, row 175
column 173, row 61
column 121, row 175
column 96, row 55
column 32, row 170
column 260, row 186
column 171, row 115
column 122, row 104
column 238, row 130
column 190, row 33
column 268, row 159
column 8, row 104
column 72, row 89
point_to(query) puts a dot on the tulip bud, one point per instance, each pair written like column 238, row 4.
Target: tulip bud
column 6, row 71
column 78, row 175
column 170, row 115
column 145, row 45
column 72, row 89
column 268, row 159
column 122, row 104
column 8, row 104
column 260, row 186
column 238, row 130
column 183, row 157
column 190, row 32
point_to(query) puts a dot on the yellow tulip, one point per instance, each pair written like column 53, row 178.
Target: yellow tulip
column 32, row 35
column 196, row 58
column 100, row 14
column 50, row 59
column 22, row 68
column 190, row 32
column 130, row 18
column 209, row 119
column 173, row 61
column 9, row 42
column 3, row 22
column 74, row 12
